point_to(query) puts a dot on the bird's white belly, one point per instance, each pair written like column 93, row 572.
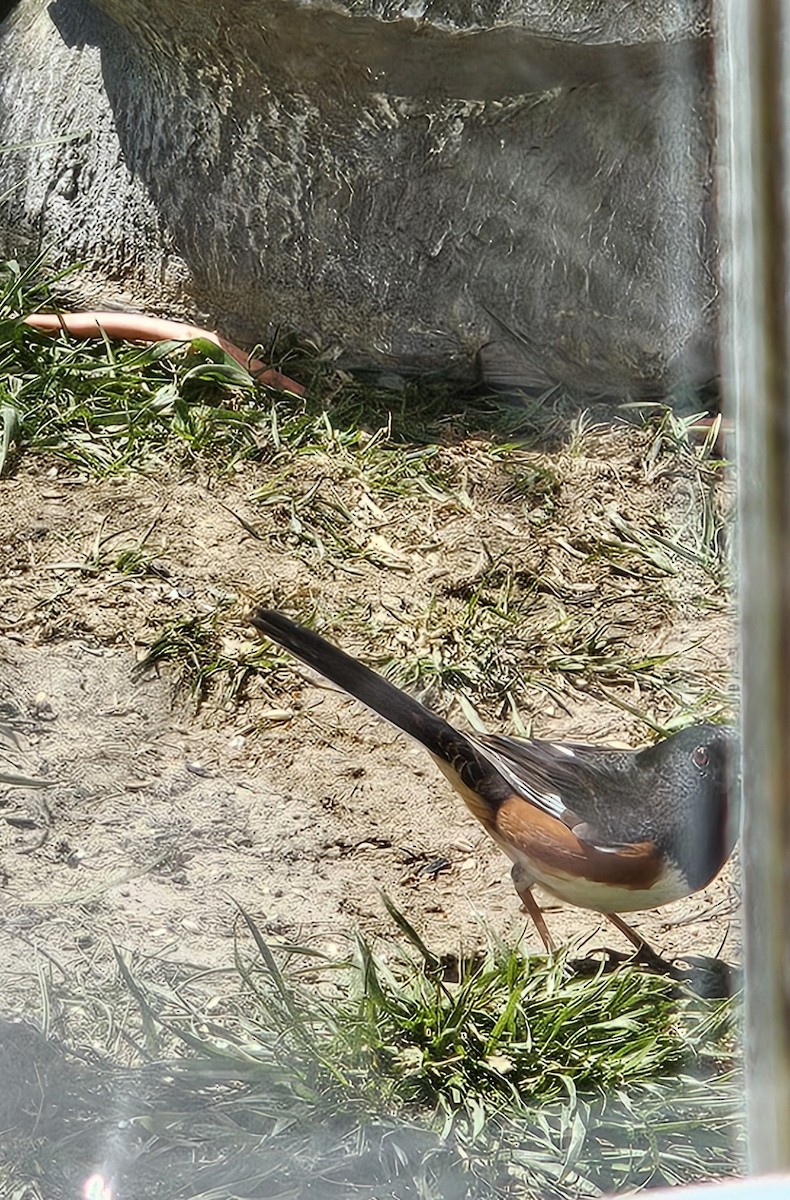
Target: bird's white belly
column 601, row 897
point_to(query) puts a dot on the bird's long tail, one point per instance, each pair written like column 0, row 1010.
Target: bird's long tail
column 464, row 763
column 389, row 701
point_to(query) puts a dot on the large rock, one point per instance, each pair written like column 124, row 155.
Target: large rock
column 406, row 181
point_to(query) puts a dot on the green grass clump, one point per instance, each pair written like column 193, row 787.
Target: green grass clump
column 394, row 1073
column 106, row 407
column 509, row 1027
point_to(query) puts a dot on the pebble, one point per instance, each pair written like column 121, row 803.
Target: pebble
column 277, row 714
column 196, row 768
column 41, row 706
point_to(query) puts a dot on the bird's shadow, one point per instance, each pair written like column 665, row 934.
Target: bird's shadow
column 709, row 978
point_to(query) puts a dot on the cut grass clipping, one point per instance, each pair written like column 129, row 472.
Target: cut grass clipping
column 376, row 1077
column 11, row 721
column 194, row 648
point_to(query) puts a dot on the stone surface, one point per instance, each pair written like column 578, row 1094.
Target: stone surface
column 410, row 184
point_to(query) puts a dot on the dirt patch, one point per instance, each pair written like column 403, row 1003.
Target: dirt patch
column 292, row 800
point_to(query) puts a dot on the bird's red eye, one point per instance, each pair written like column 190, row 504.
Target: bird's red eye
column 700, row 756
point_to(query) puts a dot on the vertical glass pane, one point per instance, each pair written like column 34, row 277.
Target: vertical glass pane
column 755, row 343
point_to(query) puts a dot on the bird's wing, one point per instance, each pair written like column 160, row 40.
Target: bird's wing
column 567, row 780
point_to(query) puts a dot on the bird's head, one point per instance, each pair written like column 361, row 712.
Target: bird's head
column 699, row 768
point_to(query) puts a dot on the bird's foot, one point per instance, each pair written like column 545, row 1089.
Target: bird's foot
column 643, row 956
column 707, row 977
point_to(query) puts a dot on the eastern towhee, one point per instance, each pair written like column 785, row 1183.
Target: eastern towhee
column 609, row 830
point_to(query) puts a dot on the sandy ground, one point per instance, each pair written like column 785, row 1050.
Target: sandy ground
column 295, row 802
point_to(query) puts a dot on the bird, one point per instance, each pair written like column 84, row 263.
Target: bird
column 610, row 830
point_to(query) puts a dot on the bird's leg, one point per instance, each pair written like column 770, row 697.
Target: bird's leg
column 532, row 909
column 634, row 938
column 645, row 952
column 522, row 882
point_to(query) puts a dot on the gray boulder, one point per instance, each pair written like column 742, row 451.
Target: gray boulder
column 526, row 186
